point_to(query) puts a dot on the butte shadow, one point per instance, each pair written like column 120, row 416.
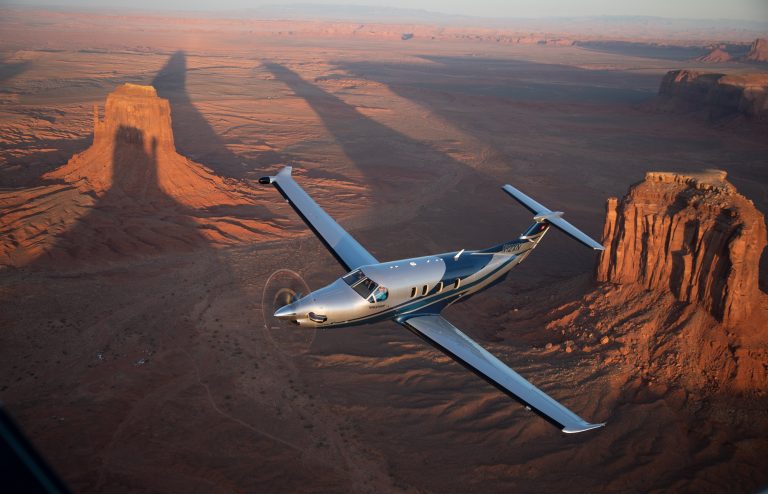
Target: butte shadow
column 194, row 135
column 546, row 120
column 133, row 281
column 645, row 50
column 387, row 159
column 413, row 186
column 9, row 70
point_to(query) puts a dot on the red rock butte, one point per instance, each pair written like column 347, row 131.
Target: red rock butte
column 691, row 234
column 136, row 120
column 758, row 52
column 130, row 193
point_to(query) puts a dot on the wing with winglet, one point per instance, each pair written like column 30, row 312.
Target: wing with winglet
column 341, row 244
column 444, row 336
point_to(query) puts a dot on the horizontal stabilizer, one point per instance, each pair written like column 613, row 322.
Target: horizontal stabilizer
column 554, row 218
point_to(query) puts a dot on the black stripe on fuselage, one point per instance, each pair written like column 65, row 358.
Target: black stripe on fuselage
column 467, row 264
column 490, row 381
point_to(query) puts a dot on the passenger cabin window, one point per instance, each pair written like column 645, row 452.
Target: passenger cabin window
column 366, row 287
column 439, row 287
column 413, row 292
column 457, row 283
column 424, row 289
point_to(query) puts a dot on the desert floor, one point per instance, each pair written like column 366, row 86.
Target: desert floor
column 161, row 374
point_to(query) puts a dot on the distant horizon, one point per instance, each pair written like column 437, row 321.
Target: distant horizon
column 748, row 11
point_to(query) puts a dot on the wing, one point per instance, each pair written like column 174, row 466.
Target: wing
column 443, row 335
column 344, row 248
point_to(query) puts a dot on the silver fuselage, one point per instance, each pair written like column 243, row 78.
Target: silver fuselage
column 413, row 286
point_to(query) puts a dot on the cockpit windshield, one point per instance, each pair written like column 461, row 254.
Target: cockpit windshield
column 354, row 277
column 366, row 287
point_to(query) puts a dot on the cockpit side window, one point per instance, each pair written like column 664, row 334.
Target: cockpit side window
column 380, row 294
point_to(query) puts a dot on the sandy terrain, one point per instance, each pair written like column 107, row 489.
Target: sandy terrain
column 155, row 373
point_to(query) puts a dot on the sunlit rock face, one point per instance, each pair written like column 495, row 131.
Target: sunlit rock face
column 758, row 52
column 678, row 292
column 130, row 194
column 133, row 152
column 691, row 235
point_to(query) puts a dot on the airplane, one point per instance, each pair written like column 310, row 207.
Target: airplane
column 413, row 292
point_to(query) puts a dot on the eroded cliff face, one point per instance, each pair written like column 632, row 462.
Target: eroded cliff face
column 716, row 95
column 678, row 305
column 758, row 52
column 130, row 194
column 691, row 235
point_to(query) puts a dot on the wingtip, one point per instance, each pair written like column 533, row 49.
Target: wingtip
column 286, row 170
column 283, row 173
column 583, row 428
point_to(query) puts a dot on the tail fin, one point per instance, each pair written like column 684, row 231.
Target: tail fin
column 553, row 218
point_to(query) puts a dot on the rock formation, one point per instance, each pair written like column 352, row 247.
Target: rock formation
column 678, row 305
column 129, row 193
column 758, row 52
column 692, row 235
column 717, row 55
column 136, row 121
column 717, row 95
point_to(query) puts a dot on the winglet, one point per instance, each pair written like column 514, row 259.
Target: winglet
column 586, row 427
column 285, row 172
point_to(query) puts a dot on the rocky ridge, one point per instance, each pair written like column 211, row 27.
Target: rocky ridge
column 717, row 95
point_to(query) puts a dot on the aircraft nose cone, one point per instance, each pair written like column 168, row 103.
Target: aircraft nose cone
column 287, row 313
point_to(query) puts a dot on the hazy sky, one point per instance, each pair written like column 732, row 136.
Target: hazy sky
column 756, row 10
